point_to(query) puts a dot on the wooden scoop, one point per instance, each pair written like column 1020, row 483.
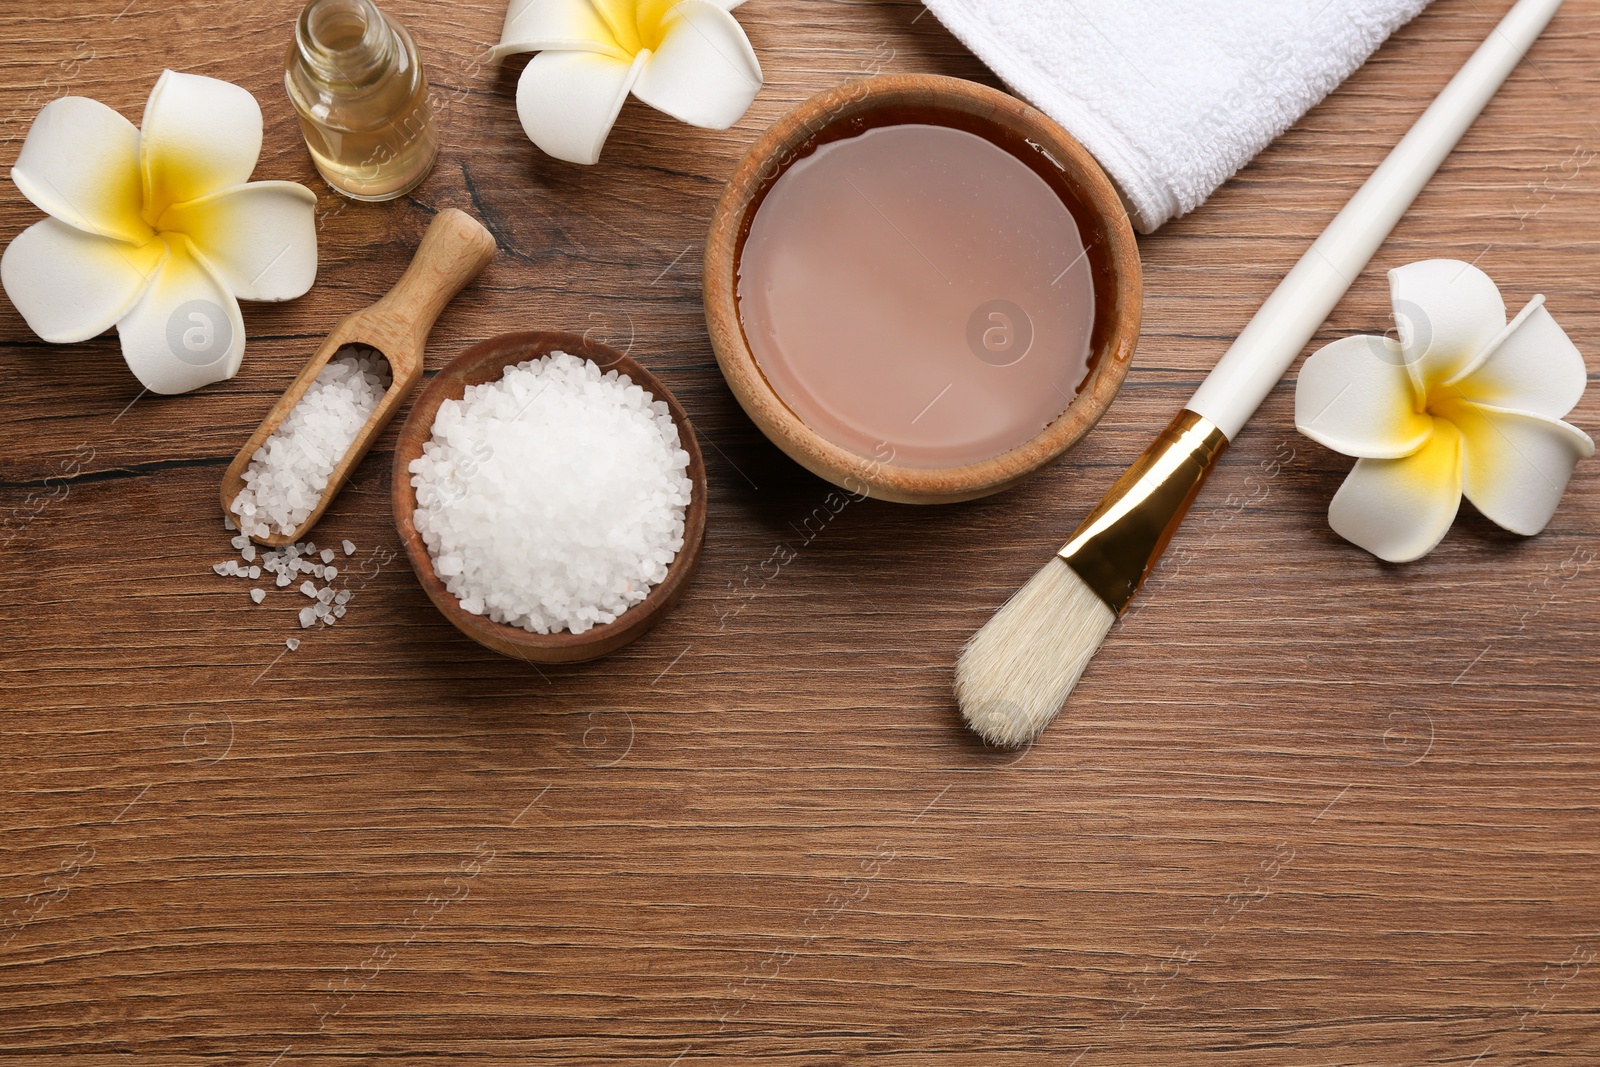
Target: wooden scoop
column 453, row 251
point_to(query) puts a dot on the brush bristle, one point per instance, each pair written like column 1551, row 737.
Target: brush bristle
column 1017, row 672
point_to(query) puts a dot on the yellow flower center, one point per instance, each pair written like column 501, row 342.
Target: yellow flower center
column 1433, row 397
column 650, row 18
column 635, row 24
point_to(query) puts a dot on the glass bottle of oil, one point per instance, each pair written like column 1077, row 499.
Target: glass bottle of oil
column 357, row 84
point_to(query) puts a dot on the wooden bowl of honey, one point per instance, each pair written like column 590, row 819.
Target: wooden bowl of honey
column 921, row 289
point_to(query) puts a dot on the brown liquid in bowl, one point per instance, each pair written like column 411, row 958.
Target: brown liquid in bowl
column 918, row 295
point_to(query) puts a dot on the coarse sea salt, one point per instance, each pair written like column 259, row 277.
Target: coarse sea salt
column 552, row 498
column 284, row 567
column 288, row 473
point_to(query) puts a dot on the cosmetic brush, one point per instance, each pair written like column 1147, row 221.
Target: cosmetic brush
column 1015, row 673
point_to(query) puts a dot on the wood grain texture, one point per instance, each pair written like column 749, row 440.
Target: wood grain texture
column 1306, row 809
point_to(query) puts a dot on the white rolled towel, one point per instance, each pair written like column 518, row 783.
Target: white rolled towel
column 1173, row 96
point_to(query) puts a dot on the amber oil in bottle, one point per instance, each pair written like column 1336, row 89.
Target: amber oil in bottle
column 356, row 81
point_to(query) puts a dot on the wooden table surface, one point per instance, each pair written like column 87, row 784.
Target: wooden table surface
column 1306, row 809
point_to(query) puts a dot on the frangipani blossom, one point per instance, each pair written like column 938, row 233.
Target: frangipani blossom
column 157, row 230
column 1463, row 403
column 688, row 58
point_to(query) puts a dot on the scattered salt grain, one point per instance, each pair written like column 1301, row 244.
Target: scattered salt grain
column 288, row 473
column 349, row 548
column 227, row 524
column 554, row 497
column 284, row 566
column 327, row 555
column 293, row 644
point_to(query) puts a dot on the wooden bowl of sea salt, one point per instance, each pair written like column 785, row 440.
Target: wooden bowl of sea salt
column 477, row 485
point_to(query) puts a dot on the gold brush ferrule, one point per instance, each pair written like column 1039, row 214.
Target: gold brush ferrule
column 1119, row 544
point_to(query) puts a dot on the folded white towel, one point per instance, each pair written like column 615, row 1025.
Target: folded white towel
column 1173, row 96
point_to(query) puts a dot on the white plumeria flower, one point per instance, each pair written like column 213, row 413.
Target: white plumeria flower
column 1463, row 403
column 688, row 58
column 157, row 230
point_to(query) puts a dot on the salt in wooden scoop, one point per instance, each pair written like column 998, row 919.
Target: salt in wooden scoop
column 453, row 251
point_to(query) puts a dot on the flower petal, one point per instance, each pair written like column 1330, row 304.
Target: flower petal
column 1399, row 509
column 564, row 25
column 1447, row 312
column 568, row 101
column 80, row 164
column 199, row 136
column 705, row 73
column 261, row 238
column 1532, row 366
column 1354, row 396
column 70, row 285
column 186, row 331
column 1517, row 464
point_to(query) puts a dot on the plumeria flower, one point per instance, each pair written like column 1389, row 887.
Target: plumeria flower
column 688, row 58
column 1463, row 403
column 157, row 230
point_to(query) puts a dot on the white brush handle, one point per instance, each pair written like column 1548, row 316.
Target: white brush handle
column 1301, row 303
